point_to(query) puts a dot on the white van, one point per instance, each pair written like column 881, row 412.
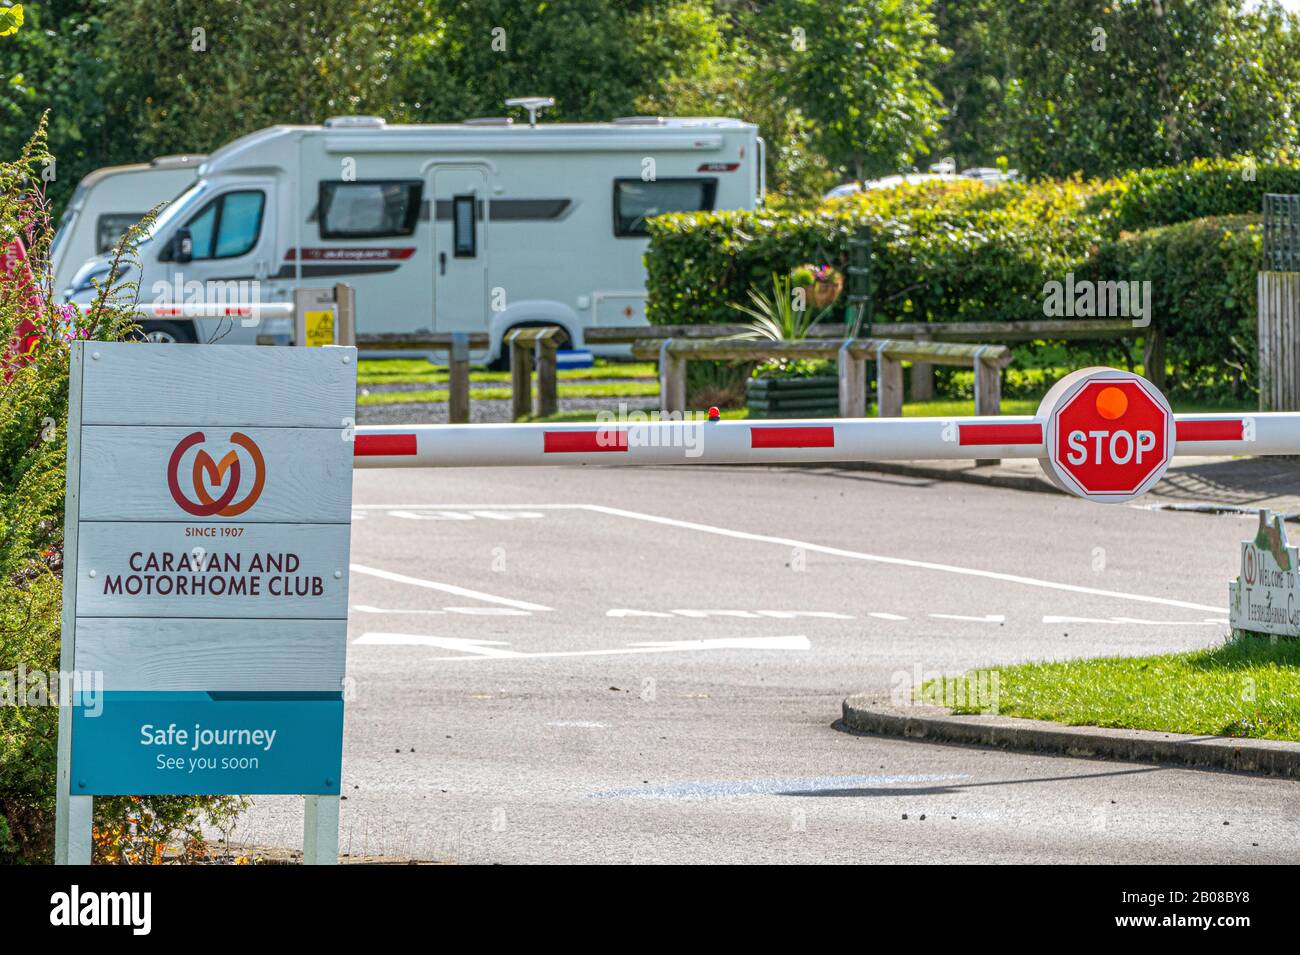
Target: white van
column 109, row 201
column 479, row 226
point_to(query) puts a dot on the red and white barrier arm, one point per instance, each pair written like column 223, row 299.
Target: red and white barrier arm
column 210, row 310
column 776, row 442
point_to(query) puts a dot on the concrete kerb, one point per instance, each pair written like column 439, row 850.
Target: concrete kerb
column 863, row 713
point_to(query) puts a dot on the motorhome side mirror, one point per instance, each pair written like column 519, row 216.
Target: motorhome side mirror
column 182, row 246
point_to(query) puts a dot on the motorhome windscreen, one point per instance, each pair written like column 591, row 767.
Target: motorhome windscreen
column 369, row 209
column 636, row 200
column 111, row 226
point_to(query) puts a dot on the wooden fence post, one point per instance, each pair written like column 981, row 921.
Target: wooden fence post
column 548, row 400
column 889, row 384
column 1153, row 356
column 853, row 385
column 521, row 377
column 672, row 379
column 458, row 379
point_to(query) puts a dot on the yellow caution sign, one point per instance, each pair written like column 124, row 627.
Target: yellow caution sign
column 320, row 327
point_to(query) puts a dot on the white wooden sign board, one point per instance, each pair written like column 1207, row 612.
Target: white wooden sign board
column 206, row 548
column 1265, row 598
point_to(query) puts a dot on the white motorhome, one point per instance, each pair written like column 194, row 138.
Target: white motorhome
column 484, row 225
column 109, row 201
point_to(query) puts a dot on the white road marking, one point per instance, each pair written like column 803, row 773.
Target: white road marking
column 445, row 588
column 743, row 614
column 987, row 618
column 881, row 615
column 487, row 649
column 580, row 724
column 470, row 611
column 895, row 561
column 411, row 514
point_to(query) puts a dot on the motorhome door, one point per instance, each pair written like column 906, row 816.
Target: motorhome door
column 460, row 245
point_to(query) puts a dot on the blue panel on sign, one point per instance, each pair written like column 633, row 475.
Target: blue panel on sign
column 191, row 743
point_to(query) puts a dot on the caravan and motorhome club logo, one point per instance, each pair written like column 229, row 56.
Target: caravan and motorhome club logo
column 206, row 473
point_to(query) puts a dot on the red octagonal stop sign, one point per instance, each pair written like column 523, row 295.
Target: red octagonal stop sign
column 1110, row 434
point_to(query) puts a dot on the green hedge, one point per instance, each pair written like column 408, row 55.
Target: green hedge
column 949, row 252
column 1205, row 187
column 1202, row 276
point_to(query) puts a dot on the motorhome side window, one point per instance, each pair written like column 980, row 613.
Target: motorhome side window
column 228, row 226
column 636, row 200
column 369, row 209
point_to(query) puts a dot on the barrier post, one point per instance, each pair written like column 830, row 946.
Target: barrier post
column 853, row 385
column 672, row 379
column 988, row 393
column 548, row 398
column 889, row 384
column 521, row 377
column 345, row 330
column 458, row 379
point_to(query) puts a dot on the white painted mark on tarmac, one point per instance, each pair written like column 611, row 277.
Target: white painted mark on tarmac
column 794, row 786
column 494, row 514
column 1052, row 618
column 881, row 615
column 445, row 588
column 484, row 649
column 894, row 561
column 579, row 724
column 470, row 611
column 487, row 648
column 743, row 614
column 987, row 618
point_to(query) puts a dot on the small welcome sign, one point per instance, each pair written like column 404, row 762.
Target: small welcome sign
column 207, row 529
column 1265, row 598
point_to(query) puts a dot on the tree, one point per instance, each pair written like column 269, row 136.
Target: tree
column 861, row 73
column 464, row 58
column 1100, row 86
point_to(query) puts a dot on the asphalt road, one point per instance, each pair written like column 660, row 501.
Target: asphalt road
column 643, row 665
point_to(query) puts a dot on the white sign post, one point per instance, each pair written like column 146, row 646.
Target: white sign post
column 205, row 580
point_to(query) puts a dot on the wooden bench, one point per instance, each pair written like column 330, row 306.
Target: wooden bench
column 850, row 354
column 457, row 345
column 922, row 372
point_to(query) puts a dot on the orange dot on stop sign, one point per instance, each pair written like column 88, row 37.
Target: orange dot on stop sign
column 1112, row 403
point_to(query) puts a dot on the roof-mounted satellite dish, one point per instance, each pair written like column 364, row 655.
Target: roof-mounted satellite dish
column 534, row 105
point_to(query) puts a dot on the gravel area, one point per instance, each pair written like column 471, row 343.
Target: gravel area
column 488, row 411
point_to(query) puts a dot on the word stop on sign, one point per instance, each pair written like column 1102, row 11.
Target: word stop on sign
column 1109, row 434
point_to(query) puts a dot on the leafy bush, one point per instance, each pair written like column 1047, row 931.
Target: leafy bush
column 33, row 420
column 1202, row 276
column 1205, row 187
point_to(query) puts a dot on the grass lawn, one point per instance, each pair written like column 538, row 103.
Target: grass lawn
column 612, row 389
column 417, row 371
column 1250, row 686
